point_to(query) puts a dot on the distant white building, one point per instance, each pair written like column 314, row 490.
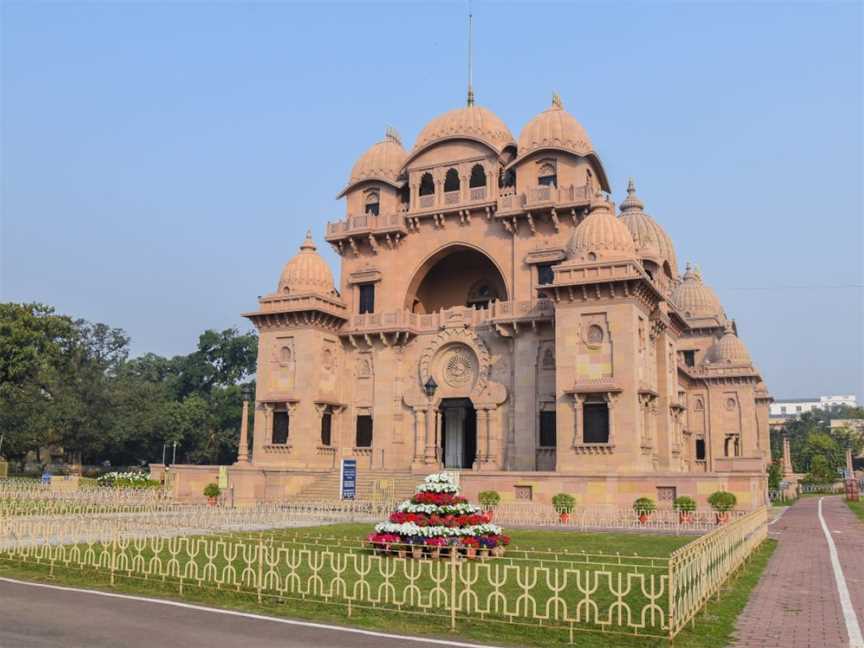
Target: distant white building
column 786, row 407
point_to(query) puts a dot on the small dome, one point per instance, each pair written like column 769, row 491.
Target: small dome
column 382, row 161
column 695, row 299
column 729, row 349
column 554, row 128
column 471, row 122
column 652, row 241
column 307, row 272
column 601, row 235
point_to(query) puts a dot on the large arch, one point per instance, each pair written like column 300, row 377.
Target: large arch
column 457, row 274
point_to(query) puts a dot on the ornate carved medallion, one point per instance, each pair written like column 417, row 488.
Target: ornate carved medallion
column 458, row 364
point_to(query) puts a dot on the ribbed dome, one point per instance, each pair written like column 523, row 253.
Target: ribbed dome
column 695, row 299
column 652, row 241
column 471, row 122
column 383, row 160
column 307, row 272
column 602, row 235
column 729, row 349
column 554, row 128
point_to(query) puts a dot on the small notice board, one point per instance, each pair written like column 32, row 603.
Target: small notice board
column 348, row 479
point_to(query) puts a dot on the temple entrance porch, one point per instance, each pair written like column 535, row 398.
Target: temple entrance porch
column 458, row 433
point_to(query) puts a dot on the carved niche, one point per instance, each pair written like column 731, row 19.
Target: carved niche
column 282, row 364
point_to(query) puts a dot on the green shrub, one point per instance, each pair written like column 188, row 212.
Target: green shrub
column 684, row 504
column 644, row 506
column 489, row 498
column 563, row 502
column 722, row 501
column 212, row 490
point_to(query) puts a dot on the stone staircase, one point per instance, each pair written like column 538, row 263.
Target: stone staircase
column 371, row 486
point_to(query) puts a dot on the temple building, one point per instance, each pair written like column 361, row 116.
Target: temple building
column 496, row 315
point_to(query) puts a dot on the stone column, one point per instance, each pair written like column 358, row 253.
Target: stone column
column 577, row 420
column 430, row 435
column 419, row 433
column 243, row 450
column 482, row 433
column 787, row 458
column 610, row 404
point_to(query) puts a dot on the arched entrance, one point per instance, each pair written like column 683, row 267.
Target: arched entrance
column 458, row 433
column 458, row 275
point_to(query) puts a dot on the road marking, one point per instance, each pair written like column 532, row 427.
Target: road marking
column 249, row 615
column 852, row 627
column 782, row 513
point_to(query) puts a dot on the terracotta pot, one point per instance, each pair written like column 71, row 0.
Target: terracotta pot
column 498, row 552
column 211, row 501
column 417, row 551
column 484, row 553
column 401, row 552
column 722, row 517
column 471, row 552
column 490, row 514
column 643, row 518
column 436, row 552
column 684, row 517
column 564, row 517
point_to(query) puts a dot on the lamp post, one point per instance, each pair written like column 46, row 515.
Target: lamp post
column 431, row 429
column 243, row 450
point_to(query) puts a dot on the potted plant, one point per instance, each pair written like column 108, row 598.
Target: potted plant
column 212, row 492
column 722, row 502
column 416, row 543
column 500, row 542
column 489, row 500
column 436, row 544
column 563, row 504
column 470, row 543
column 685, row 507
column 644, row 507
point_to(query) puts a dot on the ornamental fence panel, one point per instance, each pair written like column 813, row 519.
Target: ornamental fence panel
column 698, row 569
column 572, row 591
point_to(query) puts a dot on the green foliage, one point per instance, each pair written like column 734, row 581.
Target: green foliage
column 212, row 490
column 69, row 384
column 722, row 501
column 644, row 505
column 775, row 475
column 821, row 471
column 563, row 502
column 684, row 504
column 831, row 443
column 489, row 498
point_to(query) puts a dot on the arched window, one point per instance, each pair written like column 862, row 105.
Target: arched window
column 373, row 203
column 547, row 175
column 427, row 185
column 478, row 176
column 507, row 178
column 480, row 294
column 451, row 180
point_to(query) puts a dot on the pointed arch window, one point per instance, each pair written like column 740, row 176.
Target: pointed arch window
column 451, row 180
column 478, row 176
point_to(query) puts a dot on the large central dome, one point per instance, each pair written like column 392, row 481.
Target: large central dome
column 471, row 122
column 554, row 128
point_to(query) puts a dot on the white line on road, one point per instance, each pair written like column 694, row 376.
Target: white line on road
column 249, row 615
column 852, row 627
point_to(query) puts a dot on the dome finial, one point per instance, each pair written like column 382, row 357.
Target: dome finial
column 392, row 134
column 631, row 187
column 556, row 101
column 470, row 59
column 308, row 244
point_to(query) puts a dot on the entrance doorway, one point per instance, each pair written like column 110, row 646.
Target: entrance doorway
column 458, row 433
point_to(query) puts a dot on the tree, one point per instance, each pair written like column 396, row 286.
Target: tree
column 775, row 475
column 821, row 472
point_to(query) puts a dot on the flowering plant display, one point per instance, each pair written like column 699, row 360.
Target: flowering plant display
column 437, row 516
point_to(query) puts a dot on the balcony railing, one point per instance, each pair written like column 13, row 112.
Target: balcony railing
column 366, row 222
column 430, row 322
column 543, row 196
column 455, row 198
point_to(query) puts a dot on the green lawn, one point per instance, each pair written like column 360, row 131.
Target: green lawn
column 857, row 508
column 712, row 628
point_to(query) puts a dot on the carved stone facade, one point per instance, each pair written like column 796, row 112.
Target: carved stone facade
column 561, row 341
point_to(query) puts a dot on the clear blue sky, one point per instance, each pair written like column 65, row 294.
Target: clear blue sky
column 160, row 162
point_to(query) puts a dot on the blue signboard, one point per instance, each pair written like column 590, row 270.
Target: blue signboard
column 348, row 479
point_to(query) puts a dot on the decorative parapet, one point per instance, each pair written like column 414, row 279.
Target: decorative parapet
column 298, row 311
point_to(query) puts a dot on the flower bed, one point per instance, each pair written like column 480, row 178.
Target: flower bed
column 126, row 480
column 438, row 520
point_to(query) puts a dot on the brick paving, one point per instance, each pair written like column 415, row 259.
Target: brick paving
column 796, row 604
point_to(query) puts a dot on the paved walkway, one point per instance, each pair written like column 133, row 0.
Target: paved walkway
column 34, row 616
column 797, row 603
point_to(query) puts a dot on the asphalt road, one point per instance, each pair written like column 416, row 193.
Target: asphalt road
column 38, row 617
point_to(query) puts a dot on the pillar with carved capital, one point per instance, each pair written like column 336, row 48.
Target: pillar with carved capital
column 430, row 435
column 419, row 434
column 482, row 433
column 610, row 405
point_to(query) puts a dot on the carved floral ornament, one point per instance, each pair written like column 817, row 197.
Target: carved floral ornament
column 458, row 360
